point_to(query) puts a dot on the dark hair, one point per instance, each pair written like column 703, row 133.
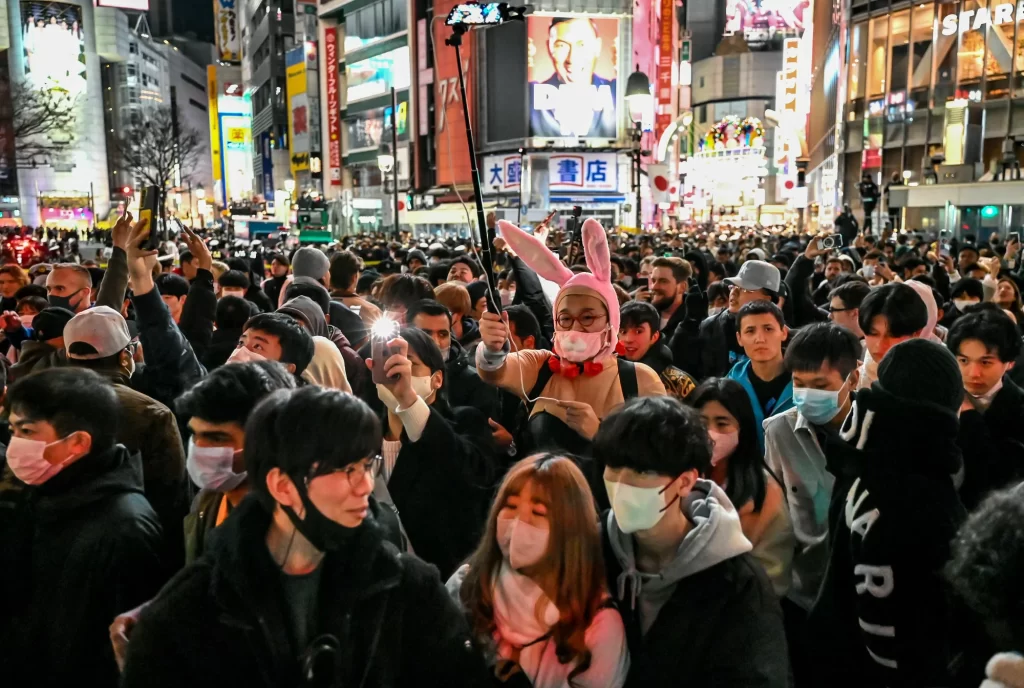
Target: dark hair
column 852, row 293
column 525, row 322
column 317, row 293
column 681, row 269
column 296, row 343
column 281, row 259
column 185, row 257
column 235, row 279
column 404, row 290
column 169, row 284
column 716, row 268
column 968, row 286
column 987, row 558
column 968, row 247
column 426, row 349
column 899, row 304
column 760, row 308
column 232, row 312
column 657, row 434
column 718, row 290
column 30, row 290
column 37, row 302
column 636, row 313
column 345, row 265
column 286, row 431
column 992, row 327
column 972, row 267
column 468, row 260
column 824, row 343
column 438, row 274
column 746, row 479
column 875, row 254
column 230, row 393
column 71, row 399
column 428, row 307
column 911, row 263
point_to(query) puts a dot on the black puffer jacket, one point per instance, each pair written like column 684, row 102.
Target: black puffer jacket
column 75, row 552
column 223, row 621
column 465, row 388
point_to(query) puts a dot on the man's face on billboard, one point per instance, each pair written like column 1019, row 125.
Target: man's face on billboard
column 574, row 47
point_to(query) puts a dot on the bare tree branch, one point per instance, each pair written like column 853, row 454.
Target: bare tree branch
column 44, row 122
column 148, row 148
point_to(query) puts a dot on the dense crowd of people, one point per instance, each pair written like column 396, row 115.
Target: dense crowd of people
column 733, row 459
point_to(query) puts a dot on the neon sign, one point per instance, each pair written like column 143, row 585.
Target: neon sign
column 1005, row 13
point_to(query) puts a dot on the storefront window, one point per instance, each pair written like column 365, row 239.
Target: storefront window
column 971, row 56
column 945, row 59
column 899, row 51
column 998, row 60
column 876, row 57
column 921, row 33
column 858, row 67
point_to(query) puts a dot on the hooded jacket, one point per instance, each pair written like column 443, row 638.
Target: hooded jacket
column 75, row 552
column 307, row 310
column 659, row 359
column 464, row 386
column 883, row 616
column 710, row 613
column 741, row 373
column 385, row 619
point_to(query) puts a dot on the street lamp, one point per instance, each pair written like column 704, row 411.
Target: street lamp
column 639, row 101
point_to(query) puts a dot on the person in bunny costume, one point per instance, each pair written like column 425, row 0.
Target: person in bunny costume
column 582, row 374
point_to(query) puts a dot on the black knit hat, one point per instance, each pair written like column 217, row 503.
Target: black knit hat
column 49, row 323
column 920, row 370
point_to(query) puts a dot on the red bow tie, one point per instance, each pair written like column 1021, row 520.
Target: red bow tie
column 572, row 370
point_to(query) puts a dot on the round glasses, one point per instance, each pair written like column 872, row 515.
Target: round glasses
column 566, row 321
column 357, row 471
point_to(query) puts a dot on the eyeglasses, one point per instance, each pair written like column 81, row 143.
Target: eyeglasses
column 357, row 471
column 833, row 309
column 566, row 321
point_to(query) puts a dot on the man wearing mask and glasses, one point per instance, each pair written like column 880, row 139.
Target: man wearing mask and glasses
column 300, row 586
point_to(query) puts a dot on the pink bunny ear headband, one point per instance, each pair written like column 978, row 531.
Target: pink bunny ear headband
column 546, row 264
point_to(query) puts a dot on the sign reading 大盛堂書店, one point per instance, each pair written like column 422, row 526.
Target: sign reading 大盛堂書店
column 1003, row 13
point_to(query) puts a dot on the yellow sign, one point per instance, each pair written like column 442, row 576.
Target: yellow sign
column 236, row 135
column 211, row 90
column 298, row 111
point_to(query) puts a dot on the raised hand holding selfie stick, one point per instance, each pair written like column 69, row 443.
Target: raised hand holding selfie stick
column 462, row 18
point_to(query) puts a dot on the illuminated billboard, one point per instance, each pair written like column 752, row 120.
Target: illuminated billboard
column 54, row 44
column 225, row 26
column 375, row 76
column 298, row 109
column 763, row 23
column 573, row 69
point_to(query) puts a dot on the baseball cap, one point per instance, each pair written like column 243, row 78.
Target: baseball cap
column 756, row 253
column 50, row 323
column 102, row 328
column 757, row 274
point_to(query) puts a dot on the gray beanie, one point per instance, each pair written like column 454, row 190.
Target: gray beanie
column 310, row 262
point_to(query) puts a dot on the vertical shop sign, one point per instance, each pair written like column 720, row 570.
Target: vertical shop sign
column 333, row 105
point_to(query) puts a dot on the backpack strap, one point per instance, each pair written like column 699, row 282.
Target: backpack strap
column 627, row 379
column 543, row 376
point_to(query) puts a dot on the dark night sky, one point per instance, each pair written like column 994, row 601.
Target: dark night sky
column 194, row 16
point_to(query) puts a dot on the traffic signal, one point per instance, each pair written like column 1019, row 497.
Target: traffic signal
column 126, row 190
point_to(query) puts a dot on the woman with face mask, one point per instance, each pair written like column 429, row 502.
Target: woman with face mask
column 737, row 466
column 438, row 462
column 534, row 589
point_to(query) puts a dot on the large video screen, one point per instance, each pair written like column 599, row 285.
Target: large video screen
column 764, row 23
column 573, row 71
column 374, row 76
column 54, row 42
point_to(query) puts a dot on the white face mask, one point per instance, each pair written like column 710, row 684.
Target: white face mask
column 26, row 460
column 244, row 355
column 26, row 320
column 421, row 385
column 715, row 310
column 963, row 304
column 636, row 508
column 521, row 543
column 211, row 468
column 506, row 296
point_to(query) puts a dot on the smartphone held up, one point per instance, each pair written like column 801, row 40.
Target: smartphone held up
column 382, row 332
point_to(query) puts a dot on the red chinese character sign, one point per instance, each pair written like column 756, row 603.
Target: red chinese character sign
column 666, row 55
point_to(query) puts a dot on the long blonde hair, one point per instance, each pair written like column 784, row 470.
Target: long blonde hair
column 573, row 561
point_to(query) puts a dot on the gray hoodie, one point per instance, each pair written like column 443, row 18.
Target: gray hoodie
column 715, row 537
